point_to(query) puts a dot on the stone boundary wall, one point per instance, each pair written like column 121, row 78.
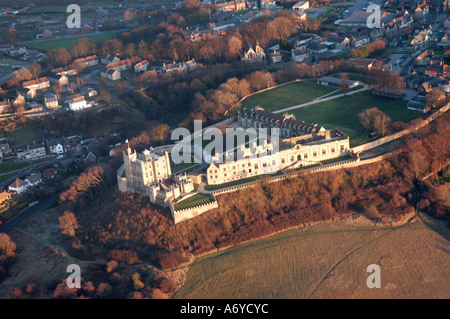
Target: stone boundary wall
column 406, row 131
column 188, row 213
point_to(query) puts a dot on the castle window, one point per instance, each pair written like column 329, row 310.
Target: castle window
column 332, row 150
column 342, row 148
column 282, row 161
column 256, row 166
column 299, row 157
column 324, row 152
column 314, row 153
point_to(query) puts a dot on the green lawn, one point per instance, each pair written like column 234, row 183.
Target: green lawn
column 48, row 9
column 240, row 181
column 68, row 43
column 287, row 95
column 197, row 199
column 337, row 159
column 343, row 113
column 5, row 168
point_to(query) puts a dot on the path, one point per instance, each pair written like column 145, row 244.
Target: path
column 320, row 100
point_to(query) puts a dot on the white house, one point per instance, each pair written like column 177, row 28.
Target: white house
column 34, row 179
column 78, row 103
column 301, row 6
column 18, row 186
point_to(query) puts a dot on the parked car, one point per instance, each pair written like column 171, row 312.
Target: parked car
column 60, row 157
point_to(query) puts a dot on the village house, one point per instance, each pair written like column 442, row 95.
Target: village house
column 301, row 6
column 38, row 84
column 60, row 79
column 5, row 196
column 107, row 59
column 5, row 149
column 33, row 179
column 50, row 173
column 267, row 4
column 18, row 186
column 89, row 92
column 110, row 74
column 254, row 55
column 299, row 55
column 77, row 103
column 56, row 145
column 5, row 106
column 141, row 66
column 33, row 151
column 422, row 10
column 24, row 93
column 51, row 101
column 275, row 56
column 230, row 6
column 359, row 40
column 340, row 43
column 420, row 39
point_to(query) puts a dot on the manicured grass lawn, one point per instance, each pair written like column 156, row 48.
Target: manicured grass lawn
column 343, row 113
column 241, row 181
column 68, row 43
column 345, row 110
column 5, row 168
column 337, row 159
column 196, row 200
column 288, row 95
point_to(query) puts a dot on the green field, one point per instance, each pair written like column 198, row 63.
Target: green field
column 326, row 261
column 23, row 135
column 5, row 168
column 341, row 113
column 287, row 95
column 197, row 199
column 240, row 181
column 48, row 9
column 68, row 43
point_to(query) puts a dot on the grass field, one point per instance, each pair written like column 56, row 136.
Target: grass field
column 68, row 43
column 197, row 199
column 23, row 135
column 240, row 181
column 326, row 261
column 287, row 95
column 341, row 113
column 48, row 9
column 5, row 168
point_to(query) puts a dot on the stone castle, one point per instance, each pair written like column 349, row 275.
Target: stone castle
column 149, row 173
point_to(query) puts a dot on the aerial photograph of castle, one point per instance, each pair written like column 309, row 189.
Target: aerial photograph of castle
column 212, row 152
